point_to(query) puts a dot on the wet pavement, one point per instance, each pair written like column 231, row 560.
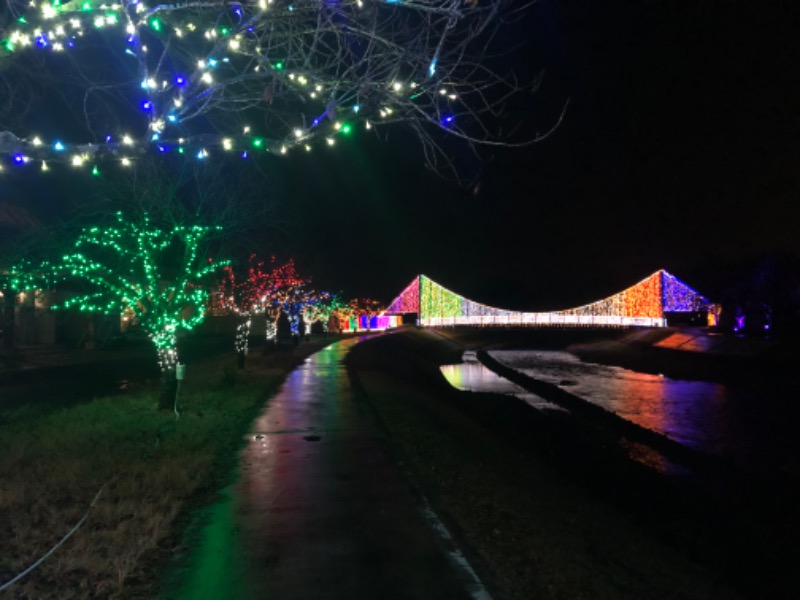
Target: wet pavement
column 319, row 510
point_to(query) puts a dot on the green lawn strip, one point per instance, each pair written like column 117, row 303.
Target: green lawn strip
column 151, row 467
column 541, row 534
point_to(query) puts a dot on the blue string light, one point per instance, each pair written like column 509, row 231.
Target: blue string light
column 432, row 68
column 157, row 89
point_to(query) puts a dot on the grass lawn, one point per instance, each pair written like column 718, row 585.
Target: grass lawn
column 150, row 470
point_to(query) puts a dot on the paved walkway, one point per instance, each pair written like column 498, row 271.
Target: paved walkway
column 319, row 510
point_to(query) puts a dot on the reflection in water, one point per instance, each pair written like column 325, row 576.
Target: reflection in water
column 474, row 377
column 710, row 417
column 686, row 411
column 652, row 458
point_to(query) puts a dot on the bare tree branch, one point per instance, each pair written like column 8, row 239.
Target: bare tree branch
column 211, row 77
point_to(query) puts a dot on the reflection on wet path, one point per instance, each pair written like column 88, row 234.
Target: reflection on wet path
column 319, row 510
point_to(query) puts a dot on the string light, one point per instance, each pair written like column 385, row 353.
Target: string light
column 268, row 292
column 321, row 307
column 125, row 269
column 215, row 35
column 363, row 313
column 241, row 298
column 26, row 275
column 644, row 303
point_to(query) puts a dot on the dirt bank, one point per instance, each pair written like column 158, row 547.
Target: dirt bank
column 549, row 505
column 697, row 354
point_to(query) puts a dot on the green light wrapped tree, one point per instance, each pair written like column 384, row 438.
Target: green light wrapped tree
column 23, row 275
column 156, row 272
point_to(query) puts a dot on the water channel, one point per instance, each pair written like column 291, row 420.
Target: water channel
column 735, row 423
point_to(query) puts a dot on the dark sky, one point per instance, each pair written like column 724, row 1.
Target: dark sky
column 679, row 149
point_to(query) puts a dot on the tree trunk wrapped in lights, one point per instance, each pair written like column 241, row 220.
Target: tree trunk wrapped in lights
column 166, row 343
column 243, row 296
column 242, row 340
column 158, row 273
column 261, row 291
column 210, row 77
column 271, row 327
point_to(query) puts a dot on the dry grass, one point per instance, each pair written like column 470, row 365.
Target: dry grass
column 151, row 468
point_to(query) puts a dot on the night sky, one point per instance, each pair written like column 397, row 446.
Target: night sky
column 679, row 149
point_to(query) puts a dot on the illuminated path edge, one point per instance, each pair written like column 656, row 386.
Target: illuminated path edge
column 644, row 304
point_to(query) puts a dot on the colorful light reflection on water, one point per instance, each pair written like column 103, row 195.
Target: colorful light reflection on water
column 474, row 377
column 733, row 423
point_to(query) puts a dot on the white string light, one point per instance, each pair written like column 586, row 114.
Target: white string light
column 214, row 61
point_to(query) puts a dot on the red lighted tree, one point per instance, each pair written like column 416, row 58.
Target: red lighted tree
column 243, row 297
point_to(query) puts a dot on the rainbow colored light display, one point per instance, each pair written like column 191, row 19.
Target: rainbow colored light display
column 369, row 323
column 643, row 304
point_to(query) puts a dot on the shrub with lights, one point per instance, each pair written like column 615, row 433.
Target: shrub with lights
column 157, row 273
